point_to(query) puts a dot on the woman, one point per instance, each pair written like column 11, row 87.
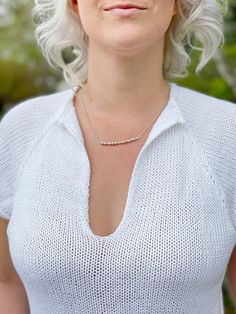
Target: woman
column 119, row 195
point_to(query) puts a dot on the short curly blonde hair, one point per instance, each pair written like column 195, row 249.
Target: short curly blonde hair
column 196, row 19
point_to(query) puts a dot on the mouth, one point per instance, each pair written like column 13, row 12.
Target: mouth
column 125, row 7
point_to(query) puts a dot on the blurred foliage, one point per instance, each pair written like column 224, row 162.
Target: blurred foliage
column 24, row 72
column 210, row 81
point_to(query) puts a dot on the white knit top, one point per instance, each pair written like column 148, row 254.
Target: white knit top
column 170, row 251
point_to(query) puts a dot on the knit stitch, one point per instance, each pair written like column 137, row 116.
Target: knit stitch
column 170, row 252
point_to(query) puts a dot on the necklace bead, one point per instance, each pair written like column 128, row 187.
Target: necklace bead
column 112, row 143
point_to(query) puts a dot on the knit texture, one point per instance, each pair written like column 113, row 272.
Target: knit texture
column 169, row 253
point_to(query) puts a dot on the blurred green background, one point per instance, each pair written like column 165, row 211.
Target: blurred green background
column 24, row 73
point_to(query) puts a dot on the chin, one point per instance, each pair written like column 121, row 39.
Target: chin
column 126, row 43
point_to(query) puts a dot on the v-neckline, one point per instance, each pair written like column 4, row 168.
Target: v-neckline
column 168, row 117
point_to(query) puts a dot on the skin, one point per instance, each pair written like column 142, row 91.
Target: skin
column 232, row 275
column 125, row 54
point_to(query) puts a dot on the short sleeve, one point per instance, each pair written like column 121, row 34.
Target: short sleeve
column 225, row 158
column 6, row 169
column 212, row 122
column 20, row 129
column 221, row 148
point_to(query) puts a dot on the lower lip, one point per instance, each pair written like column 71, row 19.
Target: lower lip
column 125, row 12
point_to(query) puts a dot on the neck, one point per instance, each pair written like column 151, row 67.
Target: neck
column 131, row 86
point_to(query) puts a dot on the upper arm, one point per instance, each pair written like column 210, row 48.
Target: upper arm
column 231, row 271
column 7, row 269
column 232, row 264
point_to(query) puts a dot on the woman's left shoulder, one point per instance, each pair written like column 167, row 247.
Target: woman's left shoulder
column 201, row 99
column 205, row 111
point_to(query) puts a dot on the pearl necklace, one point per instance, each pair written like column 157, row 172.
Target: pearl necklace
column 111, row 143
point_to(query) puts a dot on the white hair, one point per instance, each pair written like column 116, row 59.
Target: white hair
column 59, row 30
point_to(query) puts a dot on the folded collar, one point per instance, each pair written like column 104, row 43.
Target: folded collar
column 170, row 115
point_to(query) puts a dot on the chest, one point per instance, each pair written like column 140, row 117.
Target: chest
column 175, row 231
column 111, row 170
